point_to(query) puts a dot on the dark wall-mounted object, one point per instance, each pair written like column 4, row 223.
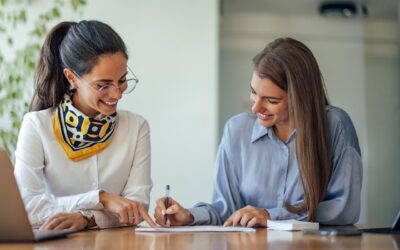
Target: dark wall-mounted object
column 341, row 8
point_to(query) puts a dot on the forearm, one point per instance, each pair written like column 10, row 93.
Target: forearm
column 140, row 194
column 42, row 206
column 205, row 214
column 104, row 219
column 281, row 213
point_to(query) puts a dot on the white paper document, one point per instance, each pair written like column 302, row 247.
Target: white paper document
column 291, row 225
column 194, row 229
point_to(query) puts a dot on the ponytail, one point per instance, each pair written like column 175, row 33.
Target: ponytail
column 50, row 83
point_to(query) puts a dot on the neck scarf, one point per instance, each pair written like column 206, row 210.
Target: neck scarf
column 79, row 135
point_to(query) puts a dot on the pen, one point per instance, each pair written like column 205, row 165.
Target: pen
column 166, row 202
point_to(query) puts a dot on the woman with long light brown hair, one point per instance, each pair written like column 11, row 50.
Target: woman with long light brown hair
column 293, row 157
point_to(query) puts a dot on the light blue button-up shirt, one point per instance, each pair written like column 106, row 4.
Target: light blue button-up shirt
column 254, row 167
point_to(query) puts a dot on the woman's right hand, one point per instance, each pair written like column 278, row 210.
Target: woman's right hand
column 177, row 215
column 129, row 212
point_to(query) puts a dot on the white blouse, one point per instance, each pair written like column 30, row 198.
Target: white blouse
column 50, row 182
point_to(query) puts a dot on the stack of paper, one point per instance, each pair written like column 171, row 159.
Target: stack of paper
column 291, row 225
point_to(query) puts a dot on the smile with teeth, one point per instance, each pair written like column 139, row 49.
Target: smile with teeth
column 263, row 117
column 110, row 103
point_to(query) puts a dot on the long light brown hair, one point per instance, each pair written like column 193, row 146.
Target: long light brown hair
column 292, row 66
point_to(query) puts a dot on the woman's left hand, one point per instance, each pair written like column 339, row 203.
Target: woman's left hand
column 74, row 221
column 248, row 216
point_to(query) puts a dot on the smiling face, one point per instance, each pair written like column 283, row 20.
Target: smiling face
column 109, row 69
column 270, row 103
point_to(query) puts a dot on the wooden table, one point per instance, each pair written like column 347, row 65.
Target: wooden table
column 126, row 238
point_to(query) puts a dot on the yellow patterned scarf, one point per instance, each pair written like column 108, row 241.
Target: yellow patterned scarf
column 79, row 135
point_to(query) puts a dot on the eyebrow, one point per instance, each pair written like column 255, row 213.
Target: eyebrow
column 108, row 80
column 268, row 97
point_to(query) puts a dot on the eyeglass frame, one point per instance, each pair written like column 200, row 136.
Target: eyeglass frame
column 101, row 89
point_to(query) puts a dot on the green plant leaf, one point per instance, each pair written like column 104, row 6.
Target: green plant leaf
column 56, row 12
column 16, row 74
column 10, row 41
column 22, row 16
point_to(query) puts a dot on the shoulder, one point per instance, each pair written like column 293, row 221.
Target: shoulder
column 339, row 120
column 241, row 122
column 36, row 126
column 337, row 115
column 42, row 117
column 341, row 127
column 132, row 120
column 239, row 128
column 236, row 136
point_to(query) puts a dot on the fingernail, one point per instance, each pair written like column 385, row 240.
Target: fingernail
column 163, row 212
column 168, row 210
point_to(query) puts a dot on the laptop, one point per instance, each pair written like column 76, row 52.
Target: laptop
column 395, row 229
column 14, row 222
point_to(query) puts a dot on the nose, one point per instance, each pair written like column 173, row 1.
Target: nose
column 257, row 105
column 115, row 92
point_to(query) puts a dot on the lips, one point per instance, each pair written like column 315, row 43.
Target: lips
column 110, row 103
column 263, row 116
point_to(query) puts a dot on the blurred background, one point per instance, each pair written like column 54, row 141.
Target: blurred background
column 193, row 59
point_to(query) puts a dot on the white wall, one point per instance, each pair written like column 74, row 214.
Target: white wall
column 382, row 61
column 173, row 51
column 344, row 54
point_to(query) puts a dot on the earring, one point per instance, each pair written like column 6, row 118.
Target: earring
column 71, row 88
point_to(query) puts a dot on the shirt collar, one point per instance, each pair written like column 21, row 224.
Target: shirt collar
column 259, row 131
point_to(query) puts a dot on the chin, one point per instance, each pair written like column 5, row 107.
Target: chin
column 266, row 120
column 266, row 124
column 107, row 110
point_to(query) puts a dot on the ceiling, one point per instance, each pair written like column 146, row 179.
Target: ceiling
column 377, row 9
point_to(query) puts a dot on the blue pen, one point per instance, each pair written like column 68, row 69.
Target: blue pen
column 166, row 202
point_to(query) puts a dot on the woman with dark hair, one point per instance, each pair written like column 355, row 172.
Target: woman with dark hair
column 79, row 162
column 294, row 157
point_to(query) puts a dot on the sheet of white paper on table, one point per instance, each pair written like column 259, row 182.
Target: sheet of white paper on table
column 194, row 229
column 291, row 225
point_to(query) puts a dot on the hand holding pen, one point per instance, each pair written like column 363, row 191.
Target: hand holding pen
column 168, row 212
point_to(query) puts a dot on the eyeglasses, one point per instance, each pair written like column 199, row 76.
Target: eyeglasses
column 125, row 85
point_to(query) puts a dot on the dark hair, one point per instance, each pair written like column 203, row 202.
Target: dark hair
column 72, row 45
column 292, row 66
